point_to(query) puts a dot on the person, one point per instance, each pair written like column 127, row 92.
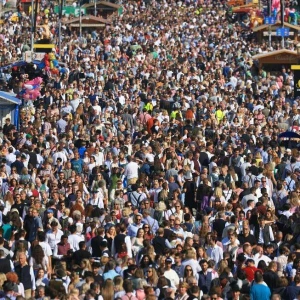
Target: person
column 81, row 254
column 170, row 273
column 292, row 291
column 259, row 290
column 26, row 275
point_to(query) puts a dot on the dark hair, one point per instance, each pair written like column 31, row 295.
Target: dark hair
column 258, row 276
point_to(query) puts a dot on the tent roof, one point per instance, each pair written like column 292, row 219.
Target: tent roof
column 277, row 24
column 102, row 3
column 9, row 97
column 273, row 53
column 88, row 18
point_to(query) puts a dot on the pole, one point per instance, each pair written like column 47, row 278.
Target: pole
column 32, row 22
column 80, row 21
column 282, row 21
column 59, row 28
column 95, row 7
column 270, row 15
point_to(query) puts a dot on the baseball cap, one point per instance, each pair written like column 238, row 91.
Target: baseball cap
column 168, row 260
column 50, row 211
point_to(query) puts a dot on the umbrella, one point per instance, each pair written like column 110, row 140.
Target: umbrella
column 289, row 135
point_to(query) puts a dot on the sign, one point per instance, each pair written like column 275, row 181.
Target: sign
column 29, row 56
column 70, row 10
column 283, row 32
column 296, row 83
column 269, row 20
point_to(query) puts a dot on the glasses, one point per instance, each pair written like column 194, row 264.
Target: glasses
column 146, row 227
column 263, row 181
column 139, row 219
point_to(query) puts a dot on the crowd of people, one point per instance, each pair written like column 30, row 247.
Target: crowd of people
column 150, row 167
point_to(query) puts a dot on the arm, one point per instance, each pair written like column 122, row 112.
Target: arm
column 32, row 279
column 55, row 255
column 128, row 246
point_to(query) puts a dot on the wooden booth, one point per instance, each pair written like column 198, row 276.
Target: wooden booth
column 275, row 60
column 262, row 31
column 104, row 9
column 88, row 22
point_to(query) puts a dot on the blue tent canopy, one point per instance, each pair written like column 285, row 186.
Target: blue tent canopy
column 10, row 98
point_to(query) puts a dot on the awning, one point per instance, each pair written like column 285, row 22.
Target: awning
column 9, row 97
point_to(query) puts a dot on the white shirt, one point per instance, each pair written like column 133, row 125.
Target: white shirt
column 53, row 238
column 173, row 277
column 131, row 170
column 74, row 240
column 215, row 253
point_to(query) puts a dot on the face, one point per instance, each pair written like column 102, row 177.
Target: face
column 22, row 259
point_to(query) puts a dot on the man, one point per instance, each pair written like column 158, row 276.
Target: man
column 159, row 242
column 54, row 235
column 214, row 251
column 251, row 196
column 95, row 242
column 219, row 224
column 131, row 171
column 122, row 238
column 147, row 219
column 81, row 254
column 61, row 249
column 6, row 264
column 32, row 224
column 134, row 227
column 49, row 219
column 271, row 277
column 170, row 273
column 74, row 238
column 259, row 290
column 246, row 237
column 292, row 291
column 111, row 273
column 264, row 234
column 205, row 276
column 26, row 276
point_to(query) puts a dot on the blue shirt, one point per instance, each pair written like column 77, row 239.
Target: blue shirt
column 260, row 292
column 77, row 165
column 111, row 274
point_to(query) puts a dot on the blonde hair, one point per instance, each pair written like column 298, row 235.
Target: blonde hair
column 2, row 279
column 218, row 192
column 107, row 291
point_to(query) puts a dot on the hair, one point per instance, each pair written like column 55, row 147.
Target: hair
column 128, row 286
column 107, row 291
column 38, row 254
column 154, row 278
column 258, row 276
column 118, row 283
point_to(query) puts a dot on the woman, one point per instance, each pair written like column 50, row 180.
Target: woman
column 137, row 242
column 85, row 266
column 201, row 254
column 107, row 292
column 148, row 235
column 188, row 271
column 152, row 277
column 191, row 261
column 109, row 236
column 146, row 261
column 41, row 278
column 38, row 259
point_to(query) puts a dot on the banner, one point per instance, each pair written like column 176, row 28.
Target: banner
column 296, row 83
